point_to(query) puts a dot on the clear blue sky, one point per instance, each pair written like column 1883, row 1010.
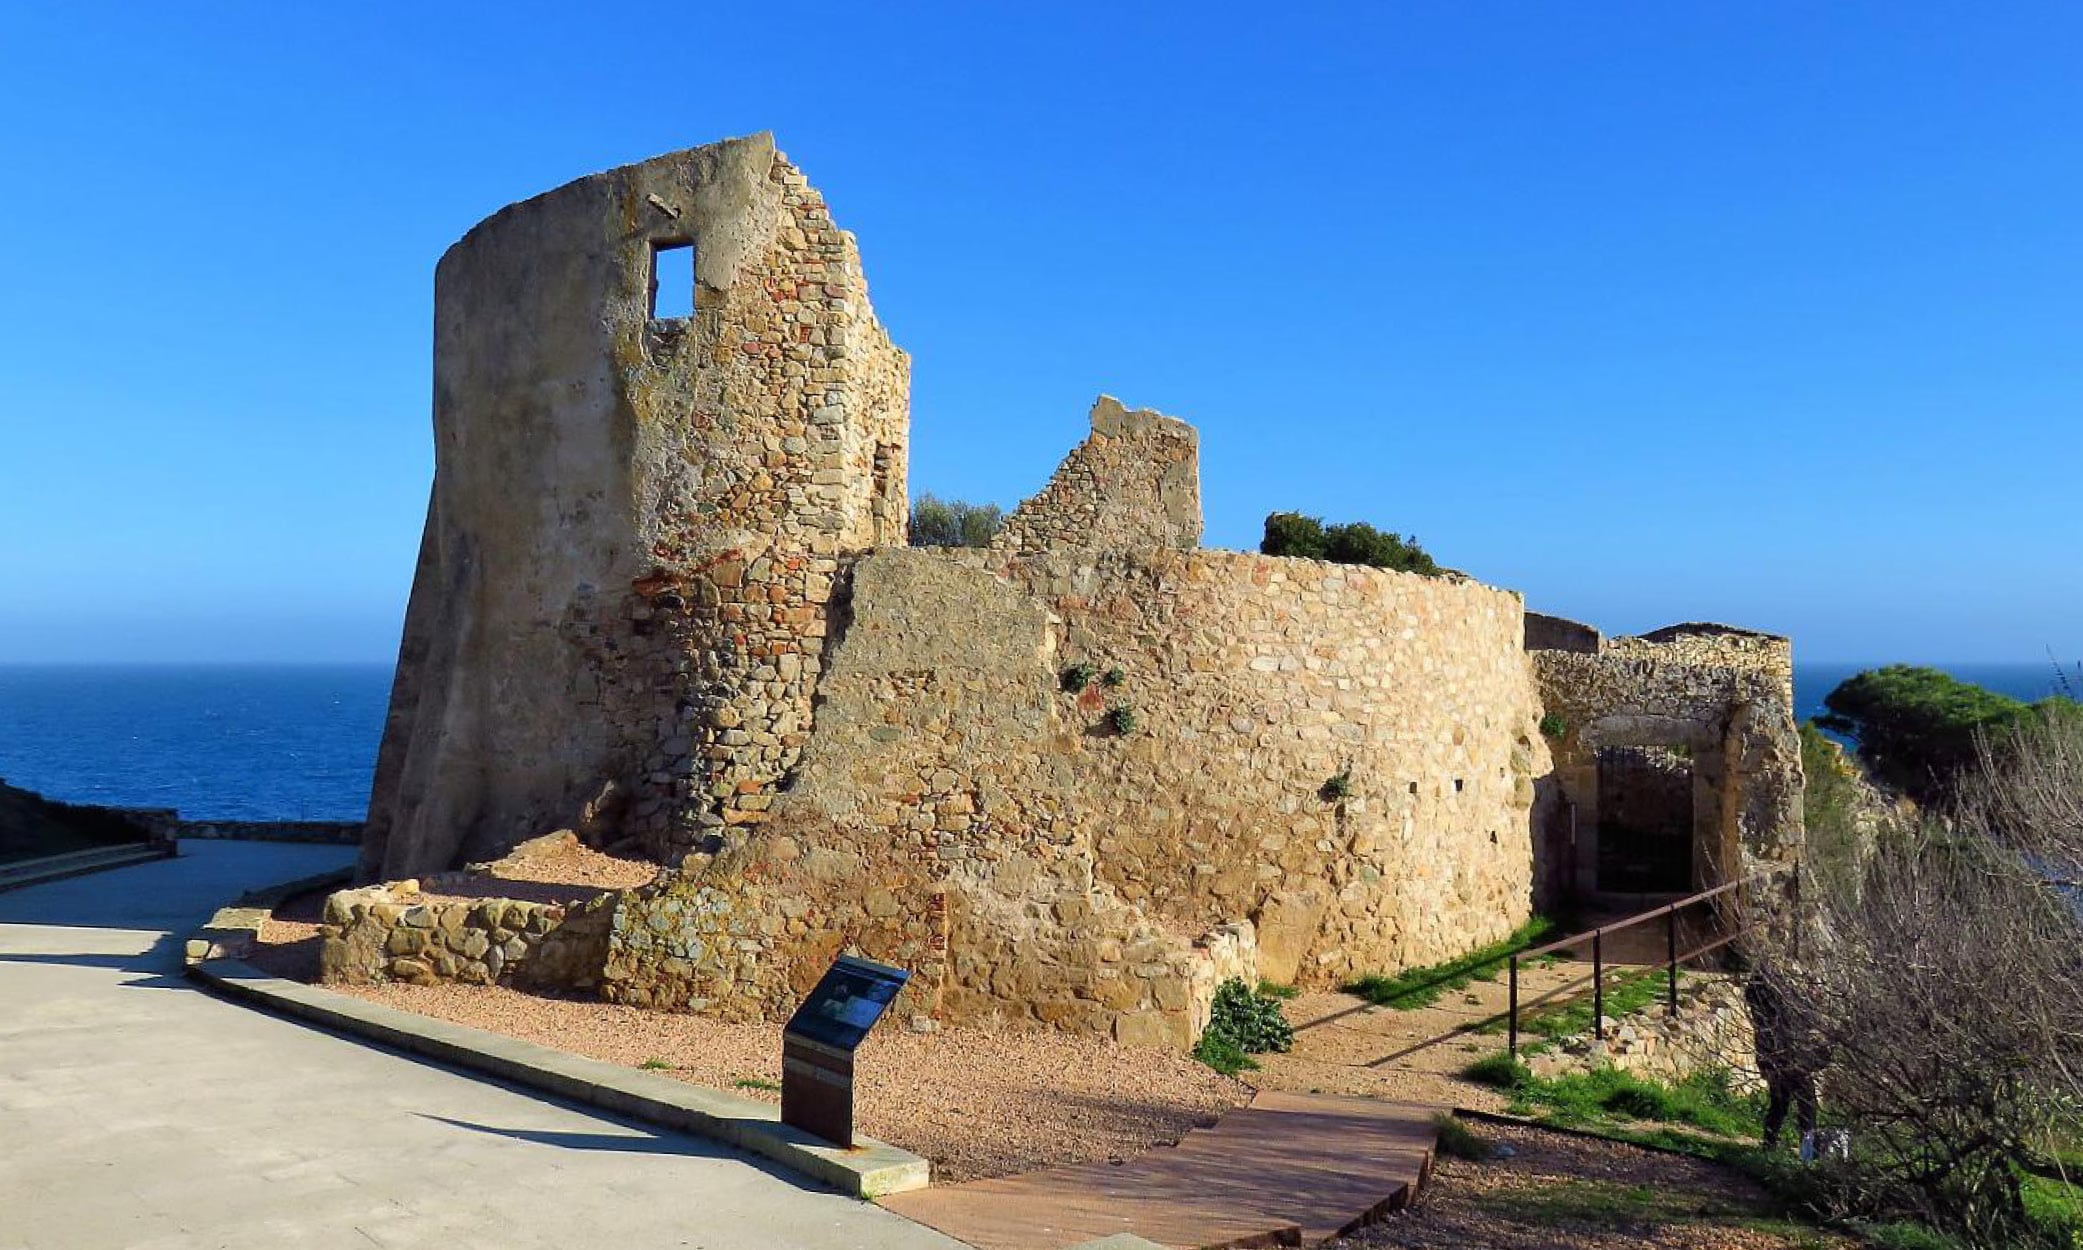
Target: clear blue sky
column 1769, row 313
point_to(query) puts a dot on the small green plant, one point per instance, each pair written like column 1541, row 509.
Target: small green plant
column 1076, row 677
column 1113, row 677
column 1498, row 1071
column 1553, row 726
column 753, row 1082
column 1457, row 1139
column 656, row 1065
column 1242, row 1022
column 1121, row 718
column 1273, row 989
column 1337, row 789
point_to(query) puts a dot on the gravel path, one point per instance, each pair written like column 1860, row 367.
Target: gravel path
column 976, row 1102
column 1558, row 1192
column 1347, row 1045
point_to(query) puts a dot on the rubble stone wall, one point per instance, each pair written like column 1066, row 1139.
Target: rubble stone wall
column 962, row 813
column 636, row 523
column 1724, row 696
column 394, row 933
column 1135, row 483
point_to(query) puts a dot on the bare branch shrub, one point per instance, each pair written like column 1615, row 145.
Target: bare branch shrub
column 1941, row 981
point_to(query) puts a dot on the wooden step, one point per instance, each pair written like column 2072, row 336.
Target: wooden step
column 1289, row 1170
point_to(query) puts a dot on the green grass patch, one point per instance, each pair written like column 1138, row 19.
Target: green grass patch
column 1421, row 987
column 1605, row 1096
column 656, row 1065
column 753, row 1082
column 1273, row 989
column 1457, row 1139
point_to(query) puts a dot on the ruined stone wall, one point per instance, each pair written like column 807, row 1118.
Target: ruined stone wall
column 961, row 813
column 636, row 523
column 1134, row 483
column 1723, row 695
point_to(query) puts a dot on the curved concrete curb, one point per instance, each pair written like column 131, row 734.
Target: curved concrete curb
column 869, row 1170
column 23, row 873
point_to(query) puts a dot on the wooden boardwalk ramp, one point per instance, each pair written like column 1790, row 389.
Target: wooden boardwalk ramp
column 1288, row 1170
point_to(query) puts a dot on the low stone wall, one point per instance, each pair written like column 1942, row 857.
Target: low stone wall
column 1712, row 1031
column 395, row 932
column 336, row 832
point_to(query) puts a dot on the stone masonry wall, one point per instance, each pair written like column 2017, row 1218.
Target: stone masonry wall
column 396, row 933
column 636, row 523
column 1134, row 483
column 1726, row 696
column 960, row 813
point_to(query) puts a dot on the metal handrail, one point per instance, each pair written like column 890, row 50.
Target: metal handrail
column 1669, row 913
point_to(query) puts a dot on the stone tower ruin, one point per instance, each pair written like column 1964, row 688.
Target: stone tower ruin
column 636, row 521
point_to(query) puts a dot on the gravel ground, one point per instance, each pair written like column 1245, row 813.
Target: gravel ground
column 1558, row 1192
column 976, row 1102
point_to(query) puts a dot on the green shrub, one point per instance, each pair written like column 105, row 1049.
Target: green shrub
column 953, row 523
column 1113, row 677
column 1337, row 789
column 1242, row 1022
column 1076, row 677
column 1121, row 718
column 1308, row 538
column 1553, row 725
column 1916, row 727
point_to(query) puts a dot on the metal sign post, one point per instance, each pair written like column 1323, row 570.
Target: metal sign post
column 818, row 1044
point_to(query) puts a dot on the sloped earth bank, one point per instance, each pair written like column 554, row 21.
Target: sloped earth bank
column 1558, row 1192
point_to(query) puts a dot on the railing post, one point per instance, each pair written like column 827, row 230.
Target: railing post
column 1511, row 1035
column 1671, row 945
column 1598, row 985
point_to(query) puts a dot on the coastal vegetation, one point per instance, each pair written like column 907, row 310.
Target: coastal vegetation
column 1354, row 542
column 1918, row 728
column 937, row 522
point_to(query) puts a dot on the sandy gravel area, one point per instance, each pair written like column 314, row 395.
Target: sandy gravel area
column 977, row 1103
column 1558, row 1192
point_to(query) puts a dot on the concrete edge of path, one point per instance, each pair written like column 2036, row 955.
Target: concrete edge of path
column 869, row 1170
column 23, row 873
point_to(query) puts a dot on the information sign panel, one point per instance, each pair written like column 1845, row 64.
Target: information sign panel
column 817, row 1046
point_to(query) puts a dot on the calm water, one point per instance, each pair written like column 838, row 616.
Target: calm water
column 233, row 742
column 224, row 742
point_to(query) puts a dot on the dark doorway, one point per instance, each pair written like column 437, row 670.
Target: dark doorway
column 1645, row 820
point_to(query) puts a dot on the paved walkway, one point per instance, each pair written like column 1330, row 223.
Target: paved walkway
column 138, row 1113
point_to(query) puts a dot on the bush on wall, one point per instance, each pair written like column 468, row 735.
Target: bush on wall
column 1356, row 542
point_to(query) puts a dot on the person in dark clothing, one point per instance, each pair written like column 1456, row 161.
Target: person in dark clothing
column 1789, row 1056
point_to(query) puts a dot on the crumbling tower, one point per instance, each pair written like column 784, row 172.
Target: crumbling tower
column 639, row 519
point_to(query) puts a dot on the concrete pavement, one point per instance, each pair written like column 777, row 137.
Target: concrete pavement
column 138, row 1113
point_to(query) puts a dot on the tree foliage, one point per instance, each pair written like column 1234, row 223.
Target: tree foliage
column 1918, row 728
column 937, row 522
column 1356, row 542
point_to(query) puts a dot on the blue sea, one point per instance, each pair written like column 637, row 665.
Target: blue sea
column 298, row 742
